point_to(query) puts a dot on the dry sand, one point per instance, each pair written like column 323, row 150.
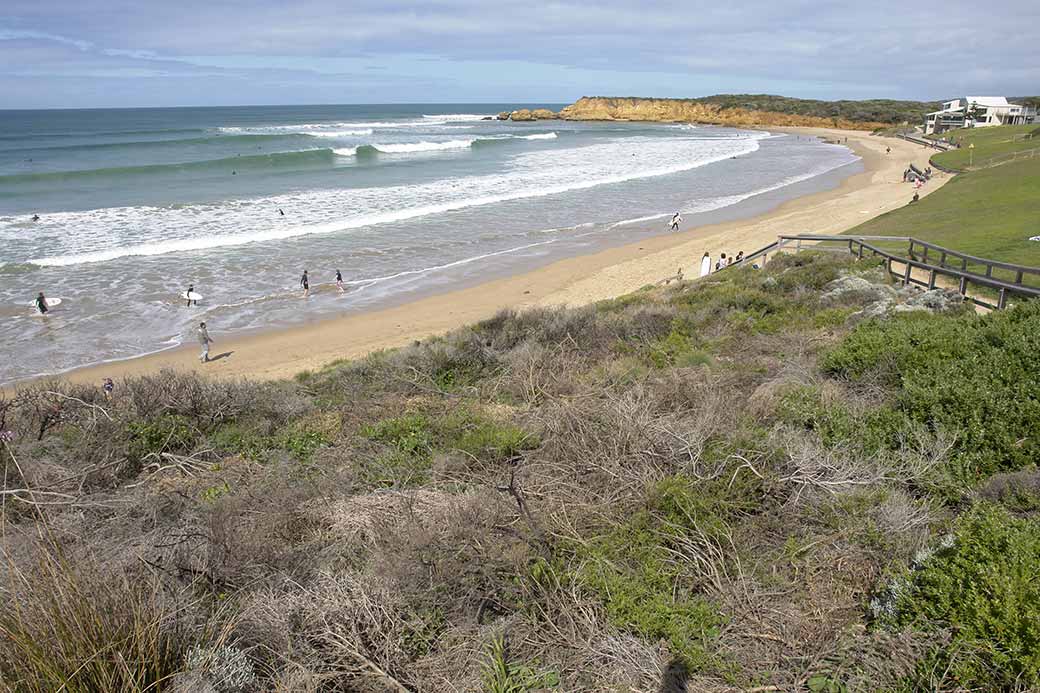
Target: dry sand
column 574, row 281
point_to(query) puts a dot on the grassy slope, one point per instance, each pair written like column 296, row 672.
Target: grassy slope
column 721, row 481
column 991, row 145
column 990, row 213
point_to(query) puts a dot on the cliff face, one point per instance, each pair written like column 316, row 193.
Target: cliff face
column 681, row 111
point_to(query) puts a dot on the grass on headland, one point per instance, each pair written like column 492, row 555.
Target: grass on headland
column 992, row 145
column 709, row 481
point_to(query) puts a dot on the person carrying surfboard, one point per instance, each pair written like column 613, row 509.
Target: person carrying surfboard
column 676, row 220
column 189, row 292
column 339, row 281
column 306, row 284
column 41, row 304
column 204, row 341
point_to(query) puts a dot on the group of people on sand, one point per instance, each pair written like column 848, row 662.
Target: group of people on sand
column 722, row 263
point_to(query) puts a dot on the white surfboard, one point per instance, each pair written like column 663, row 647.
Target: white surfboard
column 51, row 302
column 191, row 296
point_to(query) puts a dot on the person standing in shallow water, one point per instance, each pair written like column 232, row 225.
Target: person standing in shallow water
column 189, row 292
column 41, row 304
column 306, row 284
column 676, row 220
column 339, row 281
column 204, row 341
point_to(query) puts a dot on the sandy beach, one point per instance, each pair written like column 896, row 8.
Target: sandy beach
column 574, row 281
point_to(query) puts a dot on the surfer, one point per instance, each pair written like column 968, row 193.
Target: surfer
column 706, row 264
column 41, row 304
column 36, row 217
column 306, row 284
column 188, row 293
column 676, row 219
column 339, row 281
column 204, row 341
column 280, row 212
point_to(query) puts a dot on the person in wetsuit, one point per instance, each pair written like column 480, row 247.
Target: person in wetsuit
column 306, row 284
column 41, row 304
column 189, row 292
column 339, row 281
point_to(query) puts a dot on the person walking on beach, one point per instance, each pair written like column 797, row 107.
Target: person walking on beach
column 41, row 304
column 706, row 264
column 204, row 341
column 888, row 150
column 188, row 293
column 339, row 281
column 306, row 284
column 676, row 220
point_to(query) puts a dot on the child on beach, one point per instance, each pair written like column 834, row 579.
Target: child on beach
column 204, row 341
column 306, row 284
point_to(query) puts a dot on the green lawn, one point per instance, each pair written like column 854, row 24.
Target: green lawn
column 989, row 213
column 992, row 145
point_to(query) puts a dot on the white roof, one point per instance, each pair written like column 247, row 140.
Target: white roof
column 988, row 100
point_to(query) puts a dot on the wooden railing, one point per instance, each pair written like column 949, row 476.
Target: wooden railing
column 915, row 267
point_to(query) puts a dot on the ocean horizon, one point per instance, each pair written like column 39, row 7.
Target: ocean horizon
column 135, row 205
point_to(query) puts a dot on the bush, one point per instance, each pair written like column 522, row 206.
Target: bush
column 974, row 376
column 636, row 570
column 982, row 583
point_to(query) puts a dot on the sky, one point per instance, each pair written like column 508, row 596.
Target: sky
column 122, row 53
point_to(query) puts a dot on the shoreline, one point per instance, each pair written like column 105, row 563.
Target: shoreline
column 282, row 352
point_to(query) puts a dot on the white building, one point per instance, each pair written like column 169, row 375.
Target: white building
column 977, row 112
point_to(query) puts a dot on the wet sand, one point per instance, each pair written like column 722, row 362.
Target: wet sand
column 573, row 281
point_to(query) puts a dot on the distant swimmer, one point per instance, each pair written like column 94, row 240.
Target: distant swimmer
column 41, row 304
column 204, row 341
column 36, row 217
column 676, row 220
column 306, row 284
column 234, row 173
column 189, row 292
column 339, row 281
column 280, row 212
column 706, row 264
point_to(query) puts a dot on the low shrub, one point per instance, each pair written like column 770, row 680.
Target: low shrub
column 981, row 582
column 974, row 376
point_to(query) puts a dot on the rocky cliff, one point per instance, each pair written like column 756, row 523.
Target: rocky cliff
column 686, row 111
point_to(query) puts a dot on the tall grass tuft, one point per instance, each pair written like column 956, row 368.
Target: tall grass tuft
column 85, row 630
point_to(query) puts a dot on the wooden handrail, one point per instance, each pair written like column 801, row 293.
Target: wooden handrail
column 858, row 244
column 1025, row 269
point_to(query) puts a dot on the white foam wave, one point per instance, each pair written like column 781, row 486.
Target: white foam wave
column 459, row 117
column 408, row 147
column 342, row 133
column 530, row 175
column 539, row 136
column 345, row 151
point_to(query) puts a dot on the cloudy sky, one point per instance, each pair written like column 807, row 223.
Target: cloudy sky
column 95, row 53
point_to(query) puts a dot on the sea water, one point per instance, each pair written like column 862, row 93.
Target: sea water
column 136, row 204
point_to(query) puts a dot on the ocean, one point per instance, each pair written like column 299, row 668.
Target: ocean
column 405, row 200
